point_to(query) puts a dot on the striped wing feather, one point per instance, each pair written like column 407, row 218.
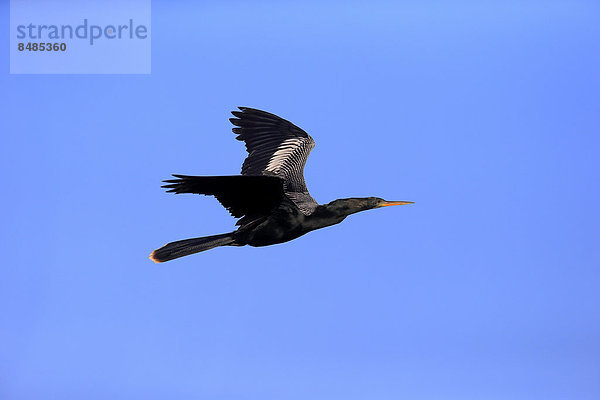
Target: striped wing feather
column 276, row 147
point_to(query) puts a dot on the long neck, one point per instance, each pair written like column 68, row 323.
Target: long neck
column 336, row 211
column 323, row 216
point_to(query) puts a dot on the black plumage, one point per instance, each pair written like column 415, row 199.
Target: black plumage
column 270, row 197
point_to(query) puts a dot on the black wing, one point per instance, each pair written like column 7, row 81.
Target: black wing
column 241, row 195
column 276, row 147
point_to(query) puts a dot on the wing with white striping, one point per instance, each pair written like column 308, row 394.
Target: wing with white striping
column 276, row 147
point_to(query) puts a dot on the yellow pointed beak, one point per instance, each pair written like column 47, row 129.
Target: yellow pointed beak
column 395, row 203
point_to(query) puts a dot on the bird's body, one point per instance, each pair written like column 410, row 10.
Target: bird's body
column 270, row 197
column 286, row 223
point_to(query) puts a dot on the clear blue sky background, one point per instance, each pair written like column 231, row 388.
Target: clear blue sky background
column 486, row 114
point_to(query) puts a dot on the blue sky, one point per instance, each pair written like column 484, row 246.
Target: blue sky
column 487, row 115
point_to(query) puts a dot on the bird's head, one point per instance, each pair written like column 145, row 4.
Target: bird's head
column 356, row 204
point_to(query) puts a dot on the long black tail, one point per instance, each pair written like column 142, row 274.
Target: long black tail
column 186, row 247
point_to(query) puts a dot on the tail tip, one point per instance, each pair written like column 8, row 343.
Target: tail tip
column 153, row 257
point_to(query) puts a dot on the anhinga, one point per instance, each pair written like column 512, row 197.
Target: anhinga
column 270, row 196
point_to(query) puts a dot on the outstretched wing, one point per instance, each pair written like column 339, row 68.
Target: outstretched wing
column 241, row 195
column 276, row 147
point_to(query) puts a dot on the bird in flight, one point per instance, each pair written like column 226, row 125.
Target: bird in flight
column 270, row 197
